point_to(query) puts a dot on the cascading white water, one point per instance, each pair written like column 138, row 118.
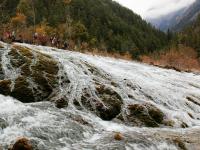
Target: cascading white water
column 9, row 71
column 52, row 128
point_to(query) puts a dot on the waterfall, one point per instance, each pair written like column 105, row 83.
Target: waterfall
column 92, row 84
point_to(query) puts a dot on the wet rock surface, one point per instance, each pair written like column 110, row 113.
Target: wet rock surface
column 145, row 114
column 107, row 105
column 22, row 144
column 37, row 79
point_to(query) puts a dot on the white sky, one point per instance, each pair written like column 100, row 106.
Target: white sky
column 154, row 8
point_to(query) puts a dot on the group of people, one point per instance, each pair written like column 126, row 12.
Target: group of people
column 11, row 37
column 40, row 39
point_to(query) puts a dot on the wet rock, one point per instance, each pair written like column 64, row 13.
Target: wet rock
column 118, row 136
column 22, row 91
column 77, row 104
column 145, row 114
column 184, row 125
column 107, row 107
column 22, row 144
column 38, row 79
column 61, row 103
column 5, row 87
column 180, row 144
column 3, row 124
column 80, row 120
column 112, row 103
column 1, row 69
column 193, row 100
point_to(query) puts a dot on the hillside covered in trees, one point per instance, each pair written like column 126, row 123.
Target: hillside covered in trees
column 190, row 36
column 101, row 24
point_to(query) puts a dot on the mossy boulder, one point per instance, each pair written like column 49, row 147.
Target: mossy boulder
column 107, row 106
column 145, row 115
column 112, row 102
column 37, row 80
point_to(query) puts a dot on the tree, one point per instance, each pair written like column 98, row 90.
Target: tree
column 19, row 21
column 27, row 7
column 80, row 32
column 68, row 20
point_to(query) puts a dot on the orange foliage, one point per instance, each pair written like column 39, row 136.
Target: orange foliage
column 19, row 19
column 184, row 58
column 67, row 2
column 44, row 29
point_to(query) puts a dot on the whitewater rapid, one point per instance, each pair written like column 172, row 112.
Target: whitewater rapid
column 58, row 129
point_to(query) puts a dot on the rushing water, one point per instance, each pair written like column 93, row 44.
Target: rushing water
column 59, row 129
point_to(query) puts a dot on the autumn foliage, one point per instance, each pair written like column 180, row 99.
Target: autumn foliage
column 183, row 58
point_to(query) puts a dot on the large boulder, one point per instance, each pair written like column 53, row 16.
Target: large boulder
column 37, row 80
column 145, row 115
column 22, row 144
column 107, row 105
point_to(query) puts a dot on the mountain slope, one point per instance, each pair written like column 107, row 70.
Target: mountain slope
column 179, row 19
column 102, row 23
column 189, row 16
column 190, row 35
column 167, row 21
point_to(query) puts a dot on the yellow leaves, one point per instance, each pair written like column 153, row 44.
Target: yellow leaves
column 66, row 2
column 43, row 28
column 19, row 19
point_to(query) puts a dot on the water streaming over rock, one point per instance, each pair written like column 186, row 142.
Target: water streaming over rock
column 152, row 108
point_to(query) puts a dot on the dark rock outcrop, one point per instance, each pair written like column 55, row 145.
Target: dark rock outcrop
column 112, row 102
column 22, row 144
column 61, row 103
column 145, row 114
column 107, row 107
column 38, row 77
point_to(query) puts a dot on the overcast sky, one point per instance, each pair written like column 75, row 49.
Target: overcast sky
column 154, row 8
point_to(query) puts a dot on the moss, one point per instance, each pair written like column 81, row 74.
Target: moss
column 180, row 143
column 155, row 113
column 43, row 74
column 112, row 102
column 16, row 59
column 21, row 91
column 42, row 64
column 24, row 51
column 146, row 114
column 5, row 87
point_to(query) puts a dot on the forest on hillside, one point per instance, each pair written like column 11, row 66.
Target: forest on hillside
column 190, row 36
column 101, row 24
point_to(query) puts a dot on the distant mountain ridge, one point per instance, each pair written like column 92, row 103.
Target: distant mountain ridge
column 168, row 21
column 179, row 19
column 189, row 16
